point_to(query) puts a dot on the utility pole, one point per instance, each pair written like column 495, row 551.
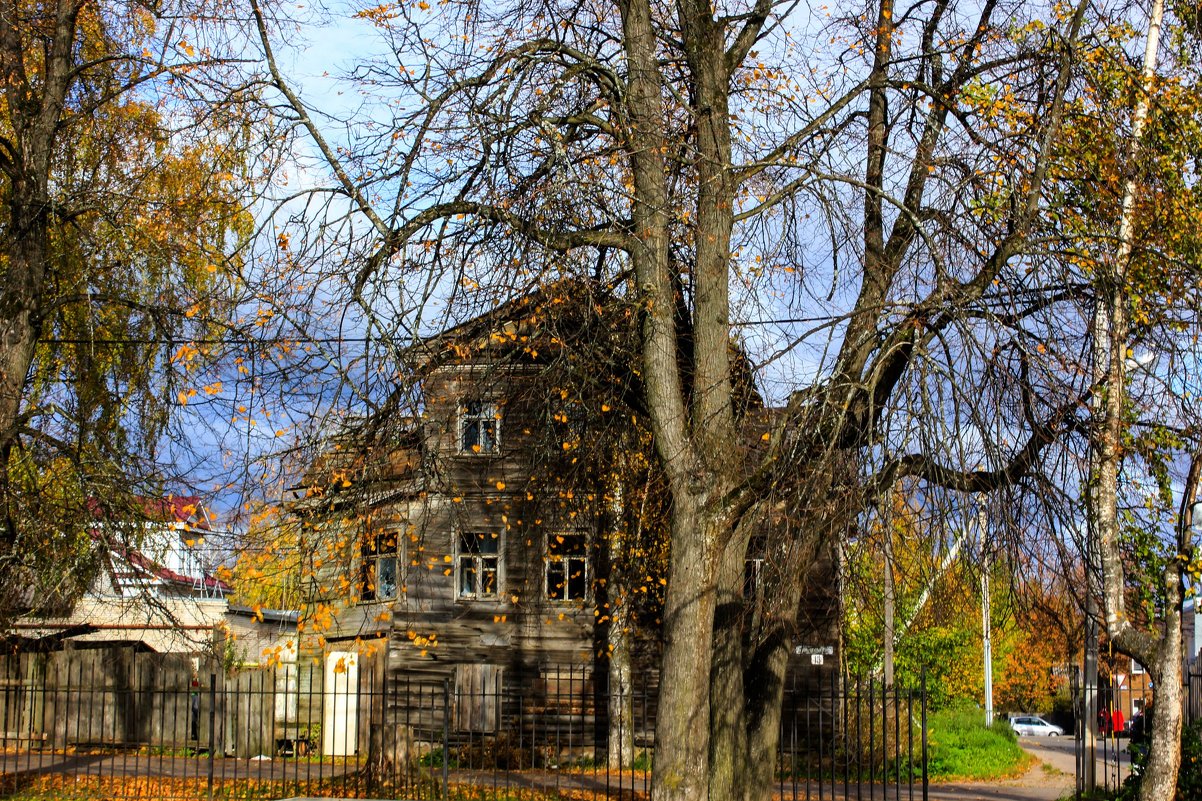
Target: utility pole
column 890, row 602
column 986, row 627
column 1089, row 689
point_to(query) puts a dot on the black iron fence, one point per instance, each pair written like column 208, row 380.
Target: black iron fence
column 115, row 724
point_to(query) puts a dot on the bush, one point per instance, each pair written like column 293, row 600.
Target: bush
column 962, row 747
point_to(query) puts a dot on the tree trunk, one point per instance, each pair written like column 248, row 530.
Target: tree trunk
column 621, row 712
column 1159, row 649
column 682, row 725
column 1164, row 754
column 34, row 112
column 728, row 724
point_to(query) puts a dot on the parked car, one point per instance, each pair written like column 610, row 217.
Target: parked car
column 1034, row 726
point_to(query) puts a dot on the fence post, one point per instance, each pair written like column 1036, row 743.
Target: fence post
column 446, row 736
column 925, row 781
column 212, row 730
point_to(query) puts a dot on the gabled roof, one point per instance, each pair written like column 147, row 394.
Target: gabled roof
column 547, row 317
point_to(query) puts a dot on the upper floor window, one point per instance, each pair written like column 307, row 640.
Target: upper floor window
column 478, row 564
column 479, row 427
column 753, row 578
column 378, row 568
column 567, row 566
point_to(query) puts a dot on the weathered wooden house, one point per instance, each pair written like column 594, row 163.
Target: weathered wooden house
column 504, row 534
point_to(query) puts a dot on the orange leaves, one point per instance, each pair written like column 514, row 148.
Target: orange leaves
column 380, row 15
column 185, row 354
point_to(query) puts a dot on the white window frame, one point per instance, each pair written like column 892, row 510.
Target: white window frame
column 487, row 414
column 566, row 560
column 1136, row 668
column 477, row 560
column 374, row 556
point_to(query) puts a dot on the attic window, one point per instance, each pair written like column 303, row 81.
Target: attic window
column 479, row 427
column 567, row 566
column 378, row 570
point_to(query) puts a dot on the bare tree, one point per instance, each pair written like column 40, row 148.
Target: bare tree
column 865, row 194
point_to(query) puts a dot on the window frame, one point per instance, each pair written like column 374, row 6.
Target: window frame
column 489, row 412
column 477, row 559
column 567, row 559
column 370, row 557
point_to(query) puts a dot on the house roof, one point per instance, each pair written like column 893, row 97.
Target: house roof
column 549, row 314
column 265, row 614
column 145, row 567
column 184, row 509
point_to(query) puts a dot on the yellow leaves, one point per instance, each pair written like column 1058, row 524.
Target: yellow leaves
column 184, row 354
column 500, row 484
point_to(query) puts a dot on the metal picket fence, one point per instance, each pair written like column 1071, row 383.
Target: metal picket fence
column 115, row 724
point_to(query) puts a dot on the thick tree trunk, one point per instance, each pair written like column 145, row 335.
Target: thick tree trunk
column 728, row 724
column 681, row 766
column 1164, row 754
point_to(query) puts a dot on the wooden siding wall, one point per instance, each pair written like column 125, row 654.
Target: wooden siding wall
column 519, row 641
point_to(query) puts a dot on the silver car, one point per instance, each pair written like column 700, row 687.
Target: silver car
column 1034, row 726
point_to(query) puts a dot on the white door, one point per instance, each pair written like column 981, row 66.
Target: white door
column 340, row 704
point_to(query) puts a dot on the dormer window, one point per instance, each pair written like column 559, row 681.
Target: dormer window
column 479, row 427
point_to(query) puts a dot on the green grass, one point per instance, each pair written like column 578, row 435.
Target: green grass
column 961, row 747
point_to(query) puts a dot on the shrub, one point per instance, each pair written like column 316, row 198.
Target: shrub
column 961, row 746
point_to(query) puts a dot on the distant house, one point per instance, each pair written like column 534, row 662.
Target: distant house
column 154, row 589
column 484, row 552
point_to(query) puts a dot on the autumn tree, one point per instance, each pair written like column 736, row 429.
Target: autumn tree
column 856, row 201
column 120, row 205
column 1139, row 249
